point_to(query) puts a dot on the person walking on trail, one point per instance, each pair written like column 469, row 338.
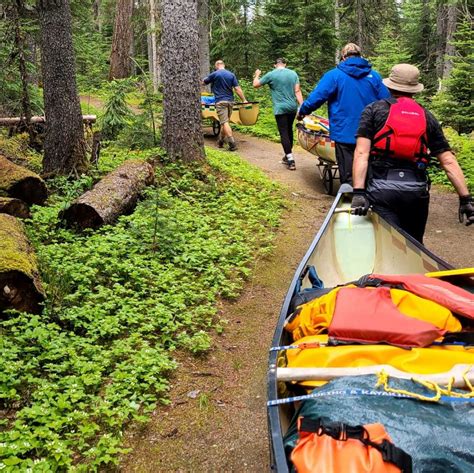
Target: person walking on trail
column 286, row 96
column 223, row 83
column 395, row 140
column 347, row 89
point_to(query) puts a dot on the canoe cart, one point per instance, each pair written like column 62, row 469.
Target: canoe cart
column 245, row 114
column 316, row 375
column 313, row 136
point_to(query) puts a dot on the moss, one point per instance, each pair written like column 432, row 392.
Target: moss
column 15, row 251
column 10, row 173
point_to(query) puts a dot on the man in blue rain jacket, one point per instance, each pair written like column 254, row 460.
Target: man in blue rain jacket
column 347, row 89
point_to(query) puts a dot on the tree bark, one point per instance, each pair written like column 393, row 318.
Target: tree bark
column 15, row 207
column 64, row 145
column 204, row 56
column 450, row 49
column 21, row 183
column 20, row 284
column 153, row 56
column 337, row 31
column 441, row 17
column 120, row 62
column 20, row 44
column 182, row 134
column 116, row 194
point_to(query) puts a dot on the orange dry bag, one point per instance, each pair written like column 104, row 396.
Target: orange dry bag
column 334, row 447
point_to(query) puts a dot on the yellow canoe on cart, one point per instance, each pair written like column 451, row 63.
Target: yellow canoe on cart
column 245, row 114
column 313, row 136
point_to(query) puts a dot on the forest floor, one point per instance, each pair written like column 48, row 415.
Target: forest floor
column 216, row 420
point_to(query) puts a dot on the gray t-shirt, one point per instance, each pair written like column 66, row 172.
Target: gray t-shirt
column 282, row 83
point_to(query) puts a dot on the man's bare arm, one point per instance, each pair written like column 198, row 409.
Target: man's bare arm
column 256, row 79
column 240, row 93
column 299, row 95
column 454, row 172
column 361, row 162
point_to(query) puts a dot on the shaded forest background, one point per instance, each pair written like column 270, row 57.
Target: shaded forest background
column 436, row 35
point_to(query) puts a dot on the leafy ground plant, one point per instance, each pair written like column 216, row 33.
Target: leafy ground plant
column 120, row 300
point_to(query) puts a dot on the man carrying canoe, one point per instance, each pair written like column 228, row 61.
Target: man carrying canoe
column 395, row 140
column 286, row 96
column 347, row 89
column 223, row 83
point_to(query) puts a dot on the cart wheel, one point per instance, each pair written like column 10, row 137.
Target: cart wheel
column 216, row 127
column 328, row 181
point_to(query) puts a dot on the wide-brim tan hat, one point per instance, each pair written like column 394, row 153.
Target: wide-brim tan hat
column 404, row 78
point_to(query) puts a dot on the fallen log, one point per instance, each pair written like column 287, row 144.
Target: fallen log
column 20, row 284
column 15, row 207
column 13, row 121
column 21, row 183
column 117, row 193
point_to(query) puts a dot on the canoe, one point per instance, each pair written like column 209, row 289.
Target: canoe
column 245, row 114
column 313, row 136
column 346, row 248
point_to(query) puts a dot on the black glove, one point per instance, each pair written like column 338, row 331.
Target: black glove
column 466, row 209
column 360, row 204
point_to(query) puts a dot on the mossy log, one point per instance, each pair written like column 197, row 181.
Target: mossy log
column 21, row 183
column 117, row 193
column 15, row 207
column 20, row 284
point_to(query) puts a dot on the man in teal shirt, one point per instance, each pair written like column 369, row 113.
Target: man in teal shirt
column 286, row 95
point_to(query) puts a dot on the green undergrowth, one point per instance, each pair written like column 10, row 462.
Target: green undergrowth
column 463, row 147
column 120, row 300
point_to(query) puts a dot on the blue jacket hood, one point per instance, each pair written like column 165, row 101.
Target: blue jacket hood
column 355, row 66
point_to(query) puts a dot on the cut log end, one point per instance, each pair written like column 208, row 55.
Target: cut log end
column 18, row 292
column 15, row 207
column 81, row 216
column 31, row 190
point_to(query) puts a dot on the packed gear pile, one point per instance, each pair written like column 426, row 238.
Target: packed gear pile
column 414, row 325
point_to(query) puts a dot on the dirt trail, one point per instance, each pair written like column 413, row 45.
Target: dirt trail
column 222, row 427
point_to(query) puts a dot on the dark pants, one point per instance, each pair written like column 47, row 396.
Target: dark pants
column 401, row 197
column 345, row 157
column 285, row 128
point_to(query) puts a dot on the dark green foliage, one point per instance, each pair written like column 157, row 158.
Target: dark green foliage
column 454, row 104
column 117, row 114
column 120, row 300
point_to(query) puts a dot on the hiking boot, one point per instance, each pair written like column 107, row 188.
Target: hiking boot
column 291, row 164
column 220, row 143
column 232, row 146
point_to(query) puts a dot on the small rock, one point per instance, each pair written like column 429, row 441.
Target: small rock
column 194, row 394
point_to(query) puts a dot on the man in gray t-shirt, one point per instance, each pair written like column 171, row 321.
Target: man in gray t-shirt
column 286, row 95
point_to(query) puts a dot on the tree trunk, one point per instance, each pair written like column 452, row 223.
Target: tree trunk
column 360, row 23
column 96, row 15
column 20, row 284
column 64, row 145
column 116, row 194
column 441, row 17
column 15, row 207
column 20, row 44
column 450, row 50
column 204, row 56
column 21, row 183
column 153, row 56
column 182, row 134
column 120, row 62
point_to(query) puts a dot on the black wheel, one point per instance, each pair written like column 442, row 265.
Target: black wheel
column 216, row 127
column 328, row 180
